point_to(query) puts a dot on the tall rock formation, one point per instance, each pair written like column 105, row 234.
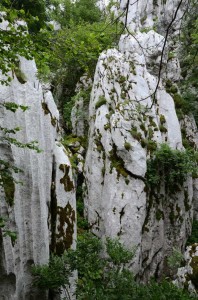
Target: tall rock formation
column 129, row 119
column 43, row 212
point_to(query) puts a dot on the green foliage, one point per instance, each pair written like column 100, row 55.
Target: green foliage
column 189, row 59
column 74, row 49
column 6, row 232
column 100, row 102
column 174, row 261
column 117, row 163
column 127, row 146
column 98, row 277
column 170, row 166
column 102, row 277
column 11, row 106
column 67, row 107
column 33, row 12
column 82, row 222
column 78, row 11
column 171, row 55
column 164, row 290
column 194, row 276
column 17, row 43
column 62, row 56
column 19, row 39
column 193, row 238
column 54, row 275
column 136, row 135
column 117, row 253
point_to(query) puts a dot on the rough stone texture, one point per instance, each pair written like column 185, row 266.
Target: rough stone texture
column 63, row 208
column 80, row 111
column 187, row 276
column 152, row 13
column 189, row 128
column 31, row 213
column 125, row 127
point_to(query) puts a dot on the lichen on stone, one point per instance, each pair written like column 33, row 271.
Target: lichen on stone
column 65, row 228
column 68, row 183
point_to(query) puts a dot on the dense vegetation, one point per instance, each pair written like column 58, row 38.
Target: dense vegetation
column 102, row 276
column 189, row 60
column 170, row 167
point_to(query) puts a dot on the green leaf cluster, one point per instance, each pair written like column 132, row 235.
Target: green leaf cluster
column 193, row 238
column 170, row 167
column 73, row 50
column 5, row 232
column 98, row 276
column 32, row 11
column 54, row 275
column 175, row 260
column 79, row 11
column 189, row 59
column 102, row 276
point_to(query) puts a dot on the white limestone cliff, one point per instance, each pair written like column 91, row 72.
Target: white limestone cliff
column 43, row 214
column 128, row 120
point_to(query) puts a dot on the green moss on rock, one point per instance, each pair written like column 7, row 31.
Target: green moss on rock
column 47, row 111
column 159, row 214
column 117, row 163
column 65, row 228
column 100, row 102
column 194, row 275
column 186, row 201
column 20, row 75
column 68, row 184
column 135, row 134
column 127, row 146
column 9, row 189
column 162, row 119
column 162, row 129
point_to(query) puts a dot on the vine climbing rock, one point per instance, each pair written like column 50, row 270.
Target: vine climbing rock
column 129, row 119
column 43, row 213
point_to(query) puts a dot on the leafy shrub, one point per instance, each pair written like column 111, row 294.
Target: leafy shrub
column 194, row 234
column 164, row 290
column 175, row 260
column 189, row 59
column 117, row 253
column 53, row 276
column 102, row 277
column 98, row 277
column 170, row 166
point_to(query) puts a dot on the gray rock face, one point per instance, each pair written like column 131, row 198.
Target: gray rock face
column 43, row 214
column 80, row 110
column 187, row 276
column 126, row 125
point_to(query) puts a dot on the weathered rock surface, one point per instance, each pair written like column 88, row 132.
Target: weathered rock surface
column 187, row 276
column 128, row 120
column 80, row 110
column 43, row 214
